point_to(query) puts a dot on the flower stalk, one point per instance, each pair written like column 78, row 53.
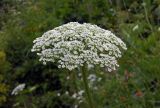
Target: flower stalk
column 85, row 81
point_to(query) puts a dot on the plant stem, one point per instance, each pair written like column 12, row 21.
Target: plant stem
column 89, row 99
column 147, row 18
column 74, row 80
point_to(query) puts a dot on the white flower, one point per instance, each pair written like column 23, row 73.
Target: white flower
column 76, row 106
column 17, row 89
column 68, row 78
column 93, row 80
column 80, row 93
column 73, row 44
column 99, row 79
column 92, row 77
column 67, row 93
column 58, row 94
column 143, row 4
column 79, row 74
column 90, row 66
column 135, row 27
column 74, row 95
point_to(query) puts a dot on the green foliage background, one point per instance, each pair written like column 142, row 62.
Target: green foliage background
column 134, row 85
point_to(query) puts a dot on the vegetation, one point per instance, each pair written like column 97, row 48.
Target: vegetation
column 135, row 84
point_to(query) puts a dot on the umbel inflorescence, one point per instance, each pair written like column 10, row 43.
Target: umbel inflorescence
column 73, row 44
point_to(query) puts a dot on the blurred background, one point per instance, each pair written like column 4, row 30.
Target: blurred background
column 136, row 83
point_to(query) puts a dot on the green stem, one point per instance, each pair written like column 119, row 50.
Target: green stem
column 74, row 80
column 89, row 99
column 147, row 18
column 25, row 106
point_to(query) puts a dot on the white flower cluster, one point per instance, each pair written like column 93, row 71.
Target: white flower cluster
column 77, row 96
column 17, row 89
column 73, row 44
column 93, row 80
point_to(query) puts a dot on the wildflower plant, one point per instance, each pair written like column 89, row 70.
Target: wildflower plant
column 74, row 45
